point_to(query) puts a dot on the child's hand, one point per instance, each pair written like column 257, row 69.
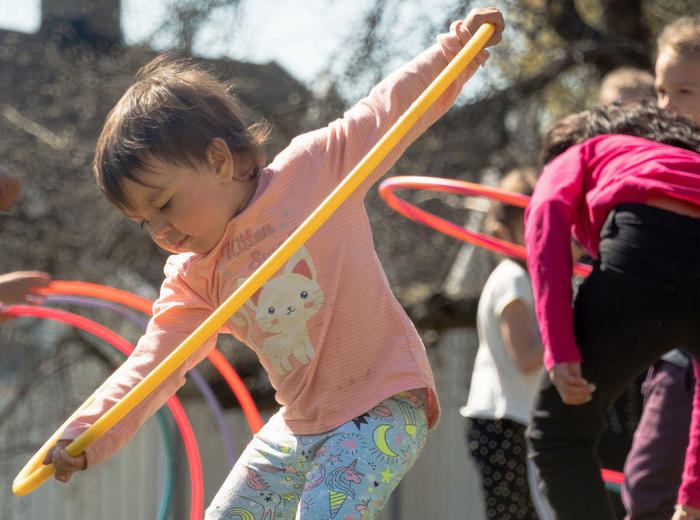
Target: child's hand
column 17, row 287
column 64, row 465
column 572, row 387
column 686, row 513
column 478, row 17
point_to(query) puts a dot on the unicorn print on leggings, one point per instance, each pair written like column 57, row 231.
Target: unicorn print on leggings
column 339, row 486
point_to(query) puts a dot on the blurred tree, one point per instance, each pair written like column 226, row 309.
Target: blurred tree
column 185, row 18
column 97, row 22
column 548, row 65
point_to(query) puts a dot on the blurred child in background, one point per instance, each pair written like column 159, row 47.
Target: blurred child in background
column 626, row 180
column 651, row 481
column 507, row 369
column 626, row 85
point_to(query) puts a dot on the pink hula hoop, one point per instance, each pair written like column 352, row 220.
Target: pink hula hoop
column 111, row 337
column 386, row 191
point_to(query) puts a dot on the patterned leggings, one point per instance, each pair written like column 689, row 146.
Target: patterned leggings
column 499, row 449
column 347, row 473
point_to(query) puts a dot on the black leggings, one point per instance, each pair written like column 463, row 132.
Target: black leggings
column 641, row 300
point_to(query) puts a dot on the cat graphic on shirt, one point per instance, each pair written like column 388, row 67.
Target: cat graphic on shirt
column 281, row 308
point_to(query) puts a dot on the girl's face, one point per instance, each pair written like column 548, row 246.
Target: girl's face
column 185, row 208
column 678, row 83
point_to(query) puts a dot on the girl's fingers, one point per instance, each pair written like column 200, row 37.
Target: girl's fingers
column 482, row 57
column 35, row 299
column 575, row 394
column 477, row 17
column 575, row 398
column 562, row 377
column 572, row 387
column 48, row 458
column 62, row 477
column 575, row 381
column 69, row 463
column 64, row 464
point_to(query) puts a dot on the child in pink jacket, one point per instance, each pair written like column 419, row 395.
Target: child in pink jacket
column 625, row 180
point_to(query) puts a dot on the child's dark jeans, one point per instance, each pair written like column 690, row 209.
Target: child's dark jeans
column 641, row 300
column 652, row 481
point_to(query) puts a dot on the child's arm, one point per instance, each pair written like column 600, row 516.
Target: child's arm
column 17, row 287
column 548, row 221
column 522, row 345
column 339, row 147
column 176, row 314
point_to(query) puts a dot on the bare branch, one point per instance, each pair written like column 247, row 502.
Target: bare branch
column 565, row 20
column 32, row 127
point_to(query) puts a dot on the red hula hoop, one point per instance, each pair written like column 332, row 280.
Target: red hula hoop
column 386, row 191
column 614, row 477
column 126, row 348
column 144, row 305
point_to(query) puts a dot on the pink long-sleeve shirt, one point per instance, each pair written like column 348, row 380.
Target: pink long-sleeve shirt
column 574, row 194
column 326, row 327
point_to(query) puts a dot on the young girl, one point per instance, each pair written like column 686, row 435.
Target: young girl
column 633, row 201
column 350, row 372
column 507, row 369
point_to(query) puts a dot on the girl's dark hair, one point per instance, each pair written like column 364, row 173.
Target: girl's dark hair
column 502, row 216
column 172, row 112
column 644, row 120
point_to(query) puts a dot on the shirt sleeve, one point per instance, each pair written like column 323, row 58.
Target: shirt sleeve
column 341, row 145
column 689, row 493
column 548, row 221
column 176, row 313
column 513, row 288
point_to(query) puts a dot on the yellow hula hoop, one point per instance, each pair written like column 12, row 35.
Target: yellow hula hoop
column 35, row 473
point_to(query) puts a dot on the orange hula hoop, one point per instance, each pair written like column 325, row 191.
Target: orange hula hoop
column 145, row 305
